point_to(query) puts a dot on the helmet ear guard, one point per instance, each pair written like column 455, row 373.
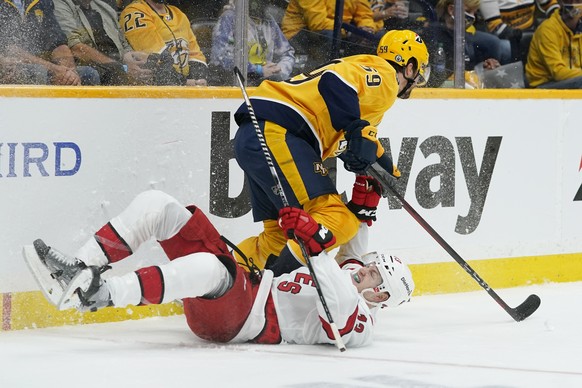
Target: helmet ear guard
column 396, row 278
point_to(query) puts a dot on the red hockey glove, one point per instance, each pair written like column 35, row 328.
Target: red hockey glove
column 366, row 195
column 297, row 224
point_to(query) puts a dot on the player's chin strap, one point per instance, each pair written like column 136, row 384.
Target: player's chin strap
column 409, row 82
column 254, row 271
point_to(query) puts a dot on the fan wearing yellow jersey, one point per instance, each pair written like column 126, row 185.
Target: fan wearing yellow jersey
column 164, row 31
column 516, row 20
column 333, row 110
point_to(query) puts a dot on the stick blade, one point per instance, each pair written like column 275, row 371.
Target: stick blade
column 527, row 308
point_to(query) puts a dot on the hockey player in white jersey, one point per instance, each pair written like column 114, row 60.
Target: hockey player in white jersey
column 223, row 302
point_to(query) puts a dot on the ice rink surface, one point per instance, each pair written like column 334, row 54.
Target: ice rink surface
column 455, row 340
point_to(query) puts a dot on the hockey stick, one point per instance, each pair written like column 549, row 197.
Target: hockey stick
column 519, row 313
column 278, row 188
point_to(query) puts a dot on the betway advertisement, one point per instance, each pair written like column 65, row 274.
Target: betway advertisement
column 495, row 178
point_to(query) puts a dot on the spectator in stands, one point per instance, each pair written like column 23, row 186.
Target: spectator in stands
column 480, row 46
column 165, row 33
column 270, row 54
column 554, row 60
column 308, row 25
column 515, row 20
column 393, row 15
column 93, row 33
column 34, row 49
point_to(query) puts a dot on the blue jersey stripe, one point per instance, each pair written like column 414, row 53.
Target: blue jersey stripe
column 278, row 113
column 341, row 100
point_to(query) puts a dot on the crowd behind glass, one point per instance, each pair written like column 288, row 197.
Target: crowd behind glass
column 194, row 42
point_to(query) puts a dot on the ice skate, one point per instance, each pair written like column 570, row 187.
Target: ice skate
column 86, row 291
column 51, row 269
column 63, row 268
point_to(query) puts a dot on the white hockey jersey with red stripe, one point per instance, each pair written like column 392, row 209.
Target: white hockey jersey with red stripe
column 302, row 319
column 300, row 314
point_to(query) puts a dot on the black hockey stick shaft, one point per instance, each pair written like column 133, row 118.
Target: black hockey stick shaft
column 519, row 313
column 279, row 189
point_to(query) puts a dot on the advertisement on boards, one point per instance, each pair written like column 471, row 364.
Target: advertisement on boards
column 493, row 183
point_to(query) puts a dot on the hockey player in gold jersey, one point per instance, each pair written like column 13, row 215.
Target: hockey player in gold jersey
column 155, row 27
column 333, row 110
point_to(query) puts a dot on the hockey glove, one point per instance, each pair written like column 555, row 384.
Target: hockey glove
column 361, row 151
column 366, row 195
column 387, row 164
column 297, row 224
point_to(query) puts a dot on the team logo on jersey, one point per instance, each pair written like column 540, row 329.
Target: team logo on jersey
column 180, row 52
column 341, row 147
column 319, row 168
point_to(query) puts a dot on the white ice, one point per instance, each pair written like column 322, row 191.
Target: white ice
column 456, row 340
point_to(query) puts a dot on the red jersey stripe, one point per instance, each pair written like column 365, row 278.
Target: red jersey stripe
column 114, row 247
column 351, row 322
column 151, row 282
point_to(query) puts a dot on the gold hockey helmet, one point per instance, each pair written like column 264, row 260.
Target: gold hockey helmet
column 400, row 46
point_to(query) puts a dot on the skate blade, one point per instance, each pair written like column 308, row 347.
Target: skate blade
column 69, row 302
column 69, row 298
column 51, row 289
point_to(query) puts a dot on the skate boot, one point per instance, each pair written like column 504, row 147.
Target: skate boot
column 87, row 291
column 62, row 268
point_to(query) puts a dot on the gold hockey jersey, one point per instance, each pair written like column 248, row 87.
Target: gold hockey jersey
column 317, row 15
column 152, row 32
column 318, row 105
